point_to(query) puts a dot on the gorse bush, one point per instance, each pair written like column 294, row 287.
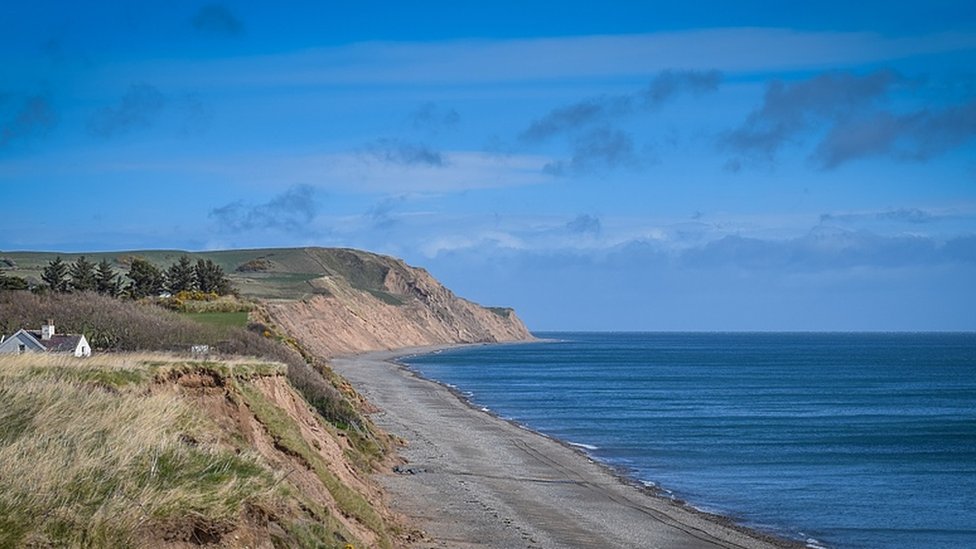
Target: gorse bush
column 196, row 301
column 255, row 266
column 196, row 295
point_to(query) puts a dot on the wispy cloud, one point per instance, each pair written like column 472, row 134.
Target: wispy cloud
column 290, row 211
column 789, row 110
column 584, row 224
column 194, row 114
column 380, row 215
column 432, row 118
column 139, row 108
column 217, row 19
column 342, row 172
column 824, row 249
column 539, row 59
column 671, row 83
column 144, row 106
column 575, row 116
column 915, row 216
column 396, row 151
column 914, row 136
column 594, row 143
column 849, row 117
column 664, row 87
column 31, row 116
column 709, row 249
column 600, row 148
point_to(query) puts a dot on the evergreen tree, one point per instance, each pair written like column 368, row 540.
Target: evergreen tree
column 82, row 274
column 147, row 279
column 55, row 275
column 211, row 277
column 13, row 282
column 181, row 276
column 106, row 281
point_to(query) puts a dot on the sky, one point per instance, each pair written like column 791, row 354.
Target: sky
column 616, row 166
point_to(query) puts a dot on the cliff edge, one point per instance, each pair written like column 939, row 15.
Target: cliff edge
column 368, row 302
column 164, row 452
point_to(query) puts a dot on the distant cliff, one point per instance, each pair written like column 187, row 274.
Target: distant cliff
column 371, row 302
column 333, row 300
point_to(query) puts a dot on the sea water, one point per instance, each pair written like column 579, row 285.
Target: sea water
column 840, row 440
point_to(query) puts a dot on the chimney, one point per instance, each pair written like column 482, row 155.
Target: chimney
column 47, row 330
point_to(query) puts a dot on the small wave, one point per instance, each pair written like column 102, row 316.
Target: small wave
column 698, row 507
column 589, row 447
column 485, row 409
column 813, row 543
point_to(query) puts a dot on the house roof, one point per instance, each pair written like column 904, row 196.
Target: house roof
column 22, row 337
column 59, row 343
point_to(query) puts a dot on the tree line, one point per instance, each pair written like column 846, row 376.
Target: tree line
column 144, row 278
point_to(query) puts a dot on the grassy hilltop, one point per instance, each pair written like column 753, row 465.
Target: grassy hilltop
column 271, row 273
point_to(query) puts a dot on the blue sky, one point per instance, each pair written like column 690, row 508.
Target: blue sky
column 601, row 166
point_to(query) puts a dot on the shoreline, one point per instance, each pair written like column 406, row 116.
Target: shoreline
column 630, row 513
column 620, row 473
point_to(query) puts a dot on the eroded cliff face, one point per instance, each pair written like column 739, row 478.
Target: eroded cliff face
column 163, row 452
column 408, row 308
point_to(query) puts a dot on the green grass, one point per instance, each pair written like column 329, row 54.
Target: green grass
column 504, row 312
column 291, row 271
column 236, row 319
column 387, row 297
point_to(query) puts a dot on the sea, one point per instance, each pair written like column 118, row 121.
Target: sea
column 861, row 440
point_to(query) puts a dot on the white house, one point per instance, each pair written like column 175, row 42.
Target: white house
column 45, row 341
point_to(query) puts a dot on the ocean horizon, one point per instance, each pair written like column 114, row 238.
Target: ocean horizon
column 836, row 439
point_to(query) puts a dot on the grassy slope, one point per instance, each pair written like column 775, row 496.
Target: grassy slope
column 106, row 453
column 121, row 325
column 288, row 273
column 228, row 319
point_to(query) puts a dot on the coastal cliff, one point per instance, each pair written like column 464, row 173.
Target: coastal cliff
column 395, row 306
column 332, row 300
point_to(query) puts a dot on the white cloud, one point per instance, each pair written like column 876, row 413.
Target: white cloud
column 343, row 172
column 595, row 56
column 462, row 170
column 485, row 240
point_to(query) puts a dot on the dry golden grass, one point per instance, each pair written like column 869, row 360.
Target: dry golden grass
column 15, row 365
column 128, row 326
column 93, row 460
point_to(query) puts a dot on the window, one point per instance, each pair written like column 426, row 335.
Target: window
column 21, row 348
